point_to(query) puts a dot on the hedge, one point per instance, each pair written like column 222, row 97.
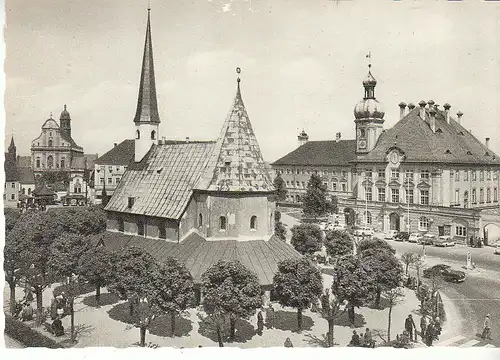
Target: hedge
column 26, row 335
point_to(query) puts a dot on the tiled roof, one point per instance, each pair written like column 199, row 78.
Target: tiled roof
column 24, row 161
column 451, row 143
column 147, row 107
column 121, row 154
column 321, row 153
column 26, row 175
column 162, row 183
column 90, row 158
column 10, row 167
column 236, row 163
column 261, row 257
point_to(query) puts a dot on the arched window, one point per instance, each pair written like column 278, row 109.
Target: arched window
column 137, row 134
column 153, row 135
column 29, row 191
column 253, row 223
column 50, row 162
column 121, row 225
column 50, row 142
column 368, row 218
column 63, row 163
column 200, row 220
column 222, row 223
column 362, row 133
column 37, row 162
column 23, row 190
column 423, row 223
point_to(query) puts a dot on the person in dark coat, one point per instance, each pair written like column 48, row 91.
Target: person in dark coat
column 355, row 340
column 429, row 334
column 27, row 312
column 423, row 326
column 368, row 339
column 270, row 317
column 410, row 326
column 57, row 327
column 288, row 343
column 260, row 323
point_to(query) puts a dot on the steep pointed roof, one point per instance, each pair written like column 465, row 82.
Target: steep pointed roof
column 12, row 146
column 147, row 107
column 236, row 164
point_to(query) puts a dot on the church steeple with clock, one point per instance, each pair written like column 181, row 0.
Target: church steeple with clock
column 369, row 116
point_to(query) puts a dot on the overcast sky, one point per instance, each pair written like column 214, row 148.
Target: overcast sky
column 302, row 64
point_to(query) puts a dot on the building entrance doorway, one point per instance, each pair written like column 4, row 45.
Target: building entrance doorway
column 394, row 220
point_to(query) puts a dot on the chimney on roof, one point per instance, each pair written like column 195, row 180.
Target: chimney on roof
column 422, row 109
column 432, row 112
column 338, row 136
column 447, row 112
column 116, row 144
column 411, row 106
column 459, row 117
column 187, row 139
column 430, row 103
column 487, row 142
column 402, row 107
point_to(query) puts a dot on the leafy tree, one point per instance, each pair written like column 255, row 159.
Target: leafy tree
column 338, row 243
column 279, row 185
column 78, row 220
column 11, row 266
column 65, row 253
column 280, row 230
column 374, row 245
column 394, row 296
column 331, row 309
column 230, row 290
column 408, row 259
column 385, row 269
column 418, row 264
column 306, row 238
column 315, row 202
column 11, row 217
column 96, row 266
column 174, row 288
column 297, row 284
column 352, row 282
column 335, row 204
column 133, row 279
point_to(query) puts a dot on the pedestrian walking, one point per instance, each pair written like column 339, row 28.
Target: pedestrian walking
column 288, row 343
column 270, row 317
column 423, row 326
column 429, row 334
column 487, row 328
column 260, row 323
column 410, row 326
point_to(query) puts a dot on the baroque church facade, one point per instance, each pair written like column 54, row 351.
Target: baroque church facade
column 426, row 174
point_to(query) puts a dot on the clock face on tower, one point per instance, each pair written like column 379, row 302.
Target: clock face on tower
column 362, row 144
column 394, row 158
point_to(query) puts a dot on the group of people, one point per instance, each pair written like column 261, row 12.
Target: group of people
column 428, row 331
column 269, row 319
column 366, row 340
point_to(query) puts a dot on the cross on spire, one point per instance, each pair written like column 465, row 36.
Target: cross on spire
column 238, row 71
column 369, row 57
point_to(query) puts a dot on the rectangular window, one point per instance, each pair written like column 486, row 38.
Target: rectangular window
column 409, row 196
column 488, row 175
column 344, row 187
column 488, row 195
column 334, row 186
column 368, row 173
column 110, row 180
column 424, row 174
column 473, row 196
column 13, row 185
column 37, row 163
column 131, row 202
column 368, row 194
column 481, row 175
column 460, row 230
column 324, row 184
column 423, row 223
column 466, row 175
column 424, row 197
column 457, row 175
column 394, row 173
column 495, row 175
column 457, row 196
column 481, row 195
column 395, row 195
column 408, row 174
column 381, row 174
column 102, row 181
column 474, row 175
column 381, row 194
column 495, row 194
column 13, row 196
column 118, row 179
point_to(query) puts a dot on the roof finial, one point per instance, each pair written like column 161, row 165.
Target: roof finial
column 51, row 114
column 238, row 71
column 369, row 57
column 149, row 6
column 64, row 107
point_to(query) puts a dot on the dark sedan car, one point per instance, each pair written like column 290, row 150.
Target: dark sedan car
column 446, row 272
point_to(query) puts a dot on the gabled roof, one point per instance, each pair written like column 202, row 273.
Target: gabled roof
column 90, row 159
column 147, row 107
column 236, row 163
column 162, row 183
column 121, row 154
column 451, row 143
column 26, row 175
column 321, row 153
column 259, row 256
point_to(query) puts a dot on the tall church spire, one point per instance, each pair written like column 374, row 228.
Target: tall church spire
column 147, row 107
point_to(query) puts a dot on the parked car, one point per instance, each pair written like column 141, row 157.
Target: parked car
column 444, row 241
column 446, row 272
column 428, row 239
column 497, row 249
column 414, row 238
column 338, row 227
column 390, row 235
column 402, row 236
column 363, row 231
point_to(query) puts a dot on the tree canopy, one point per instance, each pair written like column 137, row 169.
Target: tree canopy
column 279, row 185
column 11, row 217
column 297, row 284
column 315, row 202
column 338, row 243
column 306, row 238
column 374, row 245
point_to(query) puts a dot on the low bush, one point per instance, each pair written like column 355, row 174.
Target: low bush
column 26, row 335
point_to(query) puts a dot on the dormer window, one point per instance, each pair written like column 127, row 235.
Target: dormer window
column 131, row 201
column 447, row 151
column 439, row 130
column 486, row 153
column 253, row 223
column 461, row 133
column 222, row 223
column 469, row 153
column 153, row 135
